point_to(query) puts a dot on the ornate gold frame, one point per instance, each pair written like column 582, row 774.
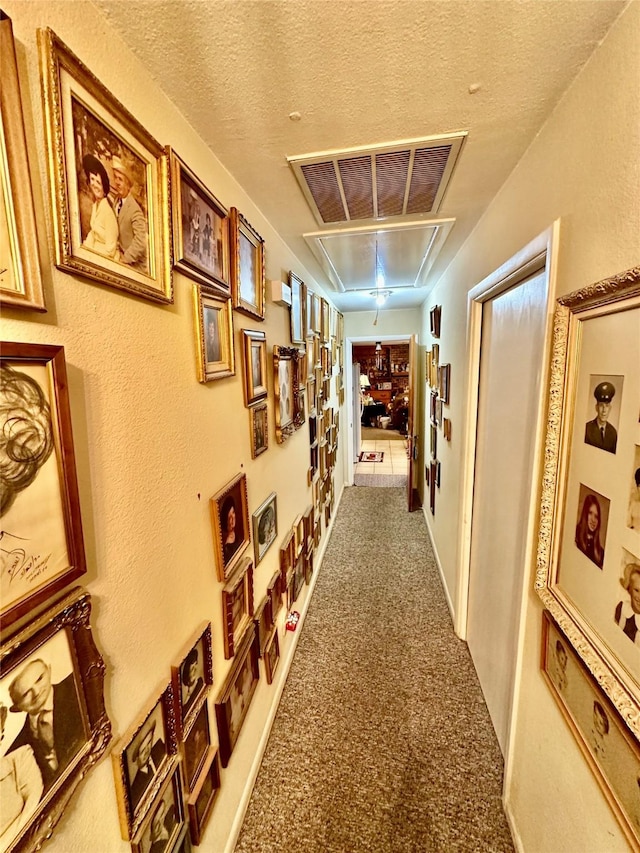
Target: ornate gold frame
column 240, row 227
column 294, row 357
column 203, row 298
column 254, row 340
column 297, row 308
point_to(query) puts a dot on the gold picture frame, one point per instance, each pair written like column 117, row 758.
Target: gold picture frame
column 255, row 366
column 247, row 266
column 289, row 391
column 214, row 334
column 237, row 607
column 20, row 274
column 231, row 535
column 165, row 817
column 296, row 309
column 109, row 181
column 259, row 429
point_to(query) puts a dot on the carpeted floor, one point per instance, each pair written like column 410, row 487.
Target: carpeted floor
column 373, row 433
column 382, row 742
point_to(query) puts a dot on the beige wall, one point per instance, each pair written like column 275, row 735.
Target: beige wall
column 403, row 322
column 152, row 444
column 582, row 167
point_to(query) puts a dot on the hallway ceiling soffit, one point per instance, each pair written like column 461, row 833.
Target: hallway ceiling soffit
column 354, row 73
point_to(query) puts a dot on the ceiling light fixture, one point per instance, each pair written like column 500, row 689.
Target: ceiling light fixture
column 380, row 296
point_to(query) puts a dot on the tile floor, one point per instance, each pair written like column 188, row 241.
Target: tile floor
column 394, row 460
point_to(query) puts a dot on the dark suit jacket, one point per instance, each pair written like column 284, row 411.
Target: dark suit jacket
column 194, row 695
column 593, row 436
column 141, row 780
column 68, row 731
column 132, row 228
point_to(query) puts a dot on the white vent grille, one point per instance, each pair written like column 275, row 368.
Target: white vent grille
column 394, row 180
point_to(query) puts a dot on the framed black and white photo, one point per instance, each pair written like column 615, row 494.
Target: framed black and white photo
column 265, row 526
column 192, row 675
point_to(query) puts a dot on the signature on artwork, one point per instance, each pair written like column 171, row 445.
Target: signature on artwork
column 16, row 562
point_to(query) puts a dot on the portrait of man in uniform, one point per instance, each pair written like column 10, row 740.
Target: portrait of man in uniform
column 599, row 432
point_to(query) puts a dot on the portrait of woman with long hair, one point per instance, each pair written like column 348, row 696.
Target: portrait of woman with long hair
column 588, row 530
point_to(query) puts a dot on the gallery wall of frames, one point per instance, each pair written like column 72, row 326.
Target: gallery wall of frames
column 178, row 463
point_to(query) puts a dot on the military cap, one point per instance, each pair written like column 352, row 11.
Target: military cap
column 604, row 392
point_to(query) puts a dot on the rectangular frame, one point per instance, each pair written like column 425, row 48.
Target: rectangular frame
column 214, row 334
column 265, row 526
column 255, row 369
column 192, row 676
column 271, row 655
column 236, row 694
column 263, row 622
column 232, row 496
column 289, row 391
column 259, row 429
column 196, row 742
column 307, row 312
column 296, row 309
column 170, row 805
column 237, row 607
column 287, row 556
column 200, row 803
column 247, row 266
column 274, row 591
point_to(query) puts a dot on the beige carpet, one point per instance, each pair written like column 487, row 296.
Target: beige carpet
column 374, row 433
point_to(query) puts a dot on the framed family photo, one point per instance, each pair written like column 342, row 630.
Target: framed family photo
column 289, row 391
column 259, row 430
column 20, row 275
column 274, row 591
column 192, row 675
column 236, row 695
column 51, row 669
column 237, row 607
column 162, row 825
column 214, row 334
column 204, row 795
column 265, row 526
column 297, row 309
column 588, row 560
column 42, row 543
column 109, row 181
column 262, row 622
column 200, row 229
column 247, row 266
column 230, row 520
column 255, row 366
column 196, row 744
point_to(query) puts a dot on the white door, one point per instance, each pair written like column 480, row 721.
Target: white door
column 356, row 412
column 511, row 366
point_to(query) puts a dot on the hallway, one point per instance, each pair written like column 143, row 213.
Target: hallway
column 382, row 741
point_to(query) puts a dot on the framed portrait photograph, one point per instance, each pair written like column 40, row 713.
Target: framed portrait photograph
column 42, row 542
column 446, row 428
column 263, row 621
column 230, row 521
column 203, row 797
column 237, row 607
column 289, row 391
column 265, row 526
column 435, row 318
column 297, row 309
column 20, row 275
column 287, row 556
column 163, row 822
column 247, row 266
column 110, row 181
column 259, row 430
column 53, row 670
column 236, row 695
column 214, row 335
column 274, row 593
column 192, row 675
column 183, row 844
column 196, row 744
column 143, row 758
column 255, row 366
column 588, row 559
column 200, row 229
column 271, row 655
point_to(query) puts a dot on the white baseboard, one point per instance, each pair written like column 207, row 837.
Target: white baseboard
column 445, row 589
column 515, row 835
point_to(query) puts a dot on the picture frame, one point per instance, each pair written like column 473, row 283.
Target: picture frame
column 196, row 744
column 236, row 694
column 263, row 622
column 308, row 564
column 247, row 266
column 164, row 818
column 233, row 496
column 200, row 228
column 21, row 278
column 445, row 383
column 289, row 391
column 90, row 133
column 609, row 748
column 200, row 803
column 432, row 485
column 324, row 322
column 255, row 366
column 287, row 557
column 259, row 430
column 274, row 592
column 143, row 759
column 316, row 314
column 271, row 655
column 183, row 844
column 192, row 676
column 435, row 319
column 237, row 607
column 299, row 575
column 56, row 647
column 298, row 534
column 296, row 309
column 41, row 502
column 265, row 526
column 307, row 313
column 446, row 428
column 214, row 335
column 588, row 572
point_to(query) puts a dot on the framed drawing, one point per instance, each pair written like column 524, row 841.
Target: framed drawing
column 42, row 543
column 236, row 695
column 289, row 391
column 247, row 266
column 143, row 758
column 192, row 675
column 588, row 560
column 274, row 593
column 110, row 181
column 255, row 366
column 52, row 664
column 163, row 823
column 214, row 335
column 196, row 744
column 20, row 276
column 200, row 229
column 610, row 750
column 271, row 655
column 230, row 520
column 265, row 526
column 297, row 313
column 204, row 795
column 237, row 607
column 262, row 621
column 259, row 428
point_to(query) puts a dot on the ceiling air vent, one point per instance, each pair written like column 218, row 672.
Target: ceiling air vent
column 376, row 182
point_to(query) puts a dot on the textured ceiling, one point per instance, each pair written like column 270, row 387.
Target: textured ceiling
column 363, row 72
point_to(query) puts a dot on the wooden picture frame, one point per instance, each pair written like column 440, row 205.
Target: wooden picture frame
column 183, row 844
column 287, row 556
column 237, row 607
column 97, row 149
column 42, row 542
column 143, row 759
column 192, row 676
column 299, row 530
column 435, row 320
column 274, row 592
column 259, row 430
column 236, row 694
column 446, row 428
column 214, row 335
column 57, row 648
column 200, row 227
column 445, row 383
column 233, row 496
column 296, row 310
column 247, row 266
column 316, row 314
column 21, row 278
column 289, row 391
column 588, row 572
column 271, row 655
column 196, row 743
column 324, row 321
column 165, row 816
column 200, row 803
column 255, row 366
column 265, row 526
column 263, row 622
column 307, row 313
